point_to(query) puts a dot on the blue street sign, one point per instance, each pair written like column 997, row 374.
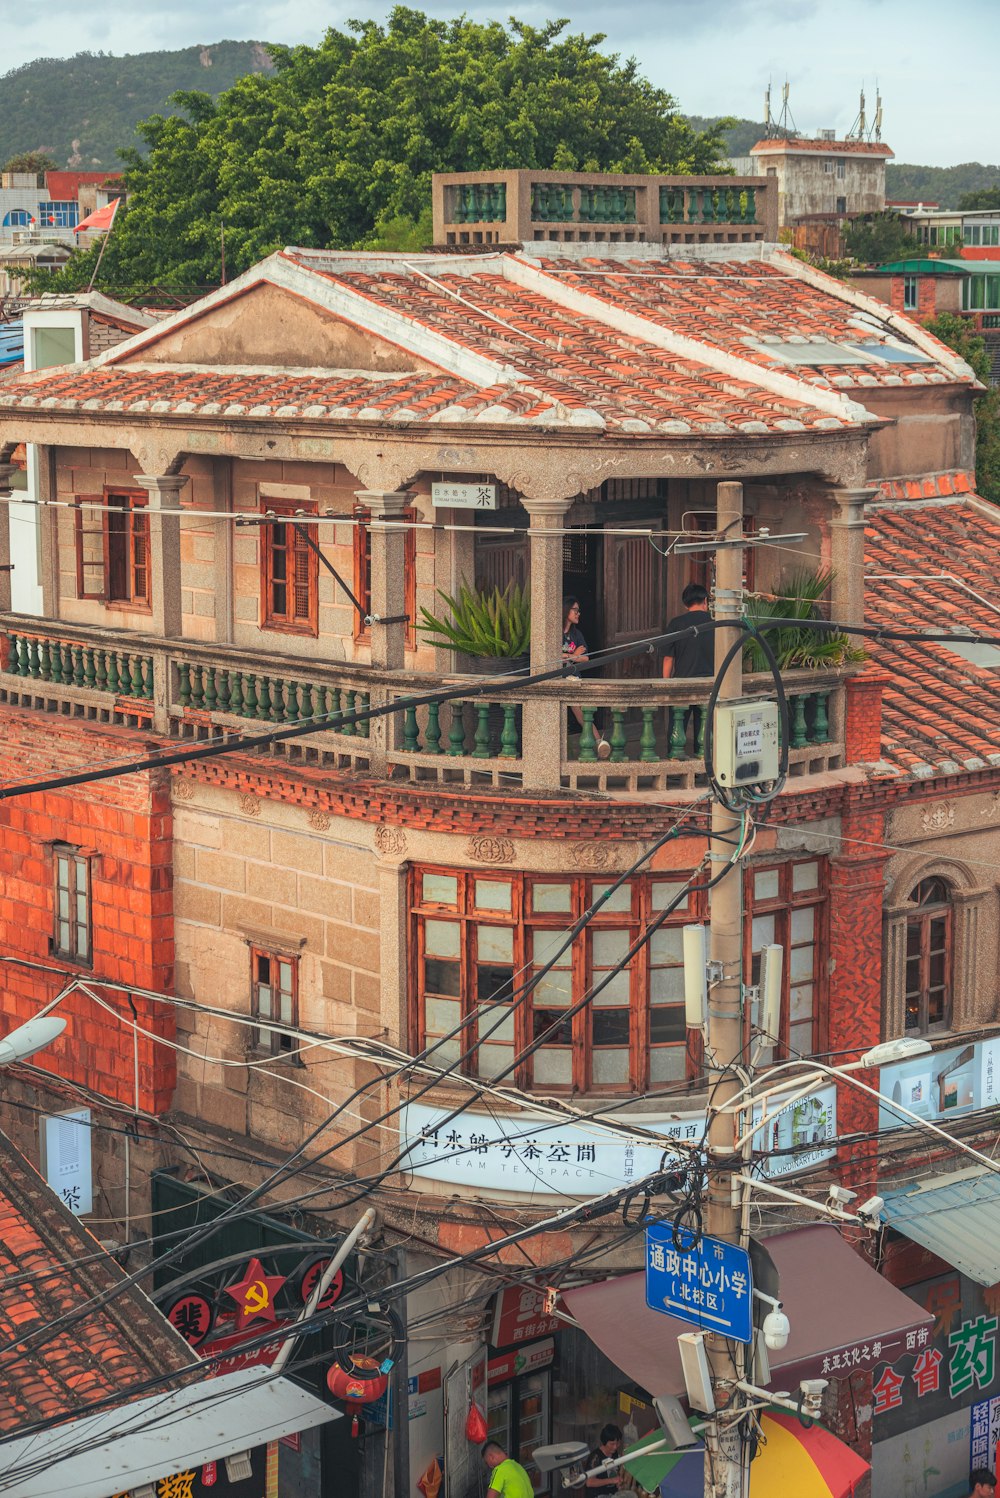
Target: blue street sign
column 704, row 1281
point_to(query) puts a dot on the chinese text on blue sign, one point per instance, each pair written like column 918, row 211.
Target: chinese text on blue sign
column 701, row 1280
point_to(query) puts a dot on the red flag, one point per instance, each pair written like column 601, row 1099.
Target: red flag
column 101, row 218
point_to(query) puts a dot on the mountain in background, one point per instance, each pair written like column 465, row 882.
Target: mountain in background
column 83, row 110
column 903, row 183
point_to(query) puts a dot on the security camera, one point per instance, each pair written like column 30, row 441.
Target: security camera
column 811, row 1396
column 776, row 1329
column 870, row 1212
column 841, row 1196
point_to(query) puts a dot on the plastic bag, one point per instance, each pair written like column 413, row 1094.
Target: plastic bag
column 430, row 1483
column 476, row 1429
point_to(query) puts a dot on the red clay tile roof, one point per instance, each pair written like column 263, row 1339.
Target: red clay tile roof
column 931, row 564
column 44, row 1276
column 739, row 306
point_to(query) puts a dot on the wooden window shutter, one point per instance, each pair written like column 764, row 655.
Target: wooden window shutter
column 301, row 580
column 140, row 556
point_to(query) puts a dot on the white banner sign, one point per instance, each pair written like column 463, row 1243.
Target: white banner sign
column 465, row 496
column 943, row 1084
column 533, row 1154
column 67, row 1156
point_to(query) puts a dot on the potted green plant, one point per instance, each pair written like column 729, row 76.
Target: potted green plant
column 797, row 597
column 490, row 629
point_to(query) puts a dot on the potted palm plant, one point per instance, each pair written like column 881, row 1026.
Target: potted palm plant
column 491, row 631
column 795, row 646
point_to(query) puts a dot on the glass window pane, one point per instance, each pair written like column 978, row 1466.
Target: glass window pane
column 803, row 925
column 667, row 1064
column 495, row 1023
column 441, row 889
column 666, row 1025
column 81, row 909
column 555, row 1068
column 555, row 898
column 762, row 932
column 447, row 1052
column 555, row 990
column 493, row 981
column 542, row 1019
column 805, row 876
column 610, row 1027
column 62, row 907
column 442, row 938
column 264, row 1006
column 620, row 900
column 490, row 895
column 285, row 1008
column 495, row 943
column 441, row 1015
column 800, row 1039
column 442, row 977
column 615, row 992
column 491, row 1060
column 766, row 885
column 801, row 1001
column 63, row 937
column 609, row 947
column 545, row 945
column 81, row 875
column 285, row 976
column 666, row 986
column 667, row 945
column 611, row 1067
column 665, row 891
column 802, row 963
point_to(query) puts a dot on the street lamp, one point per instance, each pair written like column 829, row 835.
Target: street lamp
column 29, row 1038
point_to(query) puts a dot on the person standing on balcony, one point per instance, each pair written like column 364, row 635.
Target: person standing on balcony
column 574, row 648
column 695, row 655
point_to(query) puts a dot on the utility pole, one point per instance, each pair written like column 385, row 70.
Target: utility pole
column 723, row 1474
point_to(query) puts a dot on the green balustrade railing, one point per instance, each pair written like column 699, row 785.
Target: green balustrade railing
column 708, row 205
column 123, row 673
column 480, row 730
column 607, row 205
column 677, row 730
column 271, row 699
column 551, row 202
column 478, row 202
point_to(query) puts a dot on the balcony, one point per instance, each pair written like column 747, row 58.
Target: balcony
column 193, row 691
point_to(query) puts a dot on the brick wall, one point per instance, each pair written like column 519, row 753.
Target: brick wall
column 124, row 827
column 926, row 297
column 863, row 727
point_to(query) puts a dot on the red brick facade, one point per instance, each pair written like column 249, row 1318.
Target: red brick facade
column 123, row 828
column 863, row 728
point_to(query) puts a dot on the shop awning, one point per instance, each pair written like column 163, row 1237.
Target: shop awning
column 957, row 1217
column 843, row 1316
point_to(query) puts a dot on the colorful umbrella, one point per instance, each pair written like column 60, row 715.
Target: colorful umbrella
column 793, row 1460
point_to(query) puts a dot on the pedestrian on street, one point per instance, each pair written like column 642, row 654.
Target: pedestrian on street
column 508, row 1478
column 609, row 1445
column 982, row 1483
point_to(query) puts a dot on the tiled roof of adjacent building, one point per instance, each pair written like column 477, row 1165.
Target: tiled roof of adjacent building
column 821, row 147
column 46, row 1273
column 931, row 565
column 633, row 338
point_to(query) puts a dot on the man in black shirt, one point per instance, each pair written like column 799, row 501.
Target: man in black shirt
column 694, row 655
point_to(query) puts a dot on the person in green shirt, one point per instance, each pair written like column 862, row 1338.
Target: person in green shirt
column 508, row 1478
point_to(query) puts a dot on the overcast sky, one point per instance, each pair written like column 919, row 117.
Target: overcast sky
column 935, row 63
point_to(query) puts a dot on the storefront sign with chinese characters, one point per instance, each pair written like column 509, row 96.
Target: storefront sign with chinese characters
column 519, row 1315
column 211, row 1480
column 533, row 1154
column 508, row 1365
column 465, row 496
column 66, row 1151
column 984, row 1433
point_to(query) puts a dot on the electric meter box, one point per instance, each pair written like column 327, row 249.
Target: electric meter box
column 746, row 743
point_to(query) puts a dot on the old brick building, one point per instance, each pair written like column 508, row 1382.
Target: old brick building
column 381, row 885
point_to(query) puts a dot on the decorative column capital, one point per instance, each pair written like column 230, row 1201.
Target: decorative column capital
column 384, row 503
column 547, row 508
column 851, row 506
column 162, row 487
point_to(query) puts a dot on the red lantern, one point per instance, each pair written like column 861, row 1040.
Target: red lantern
column 362, row 1384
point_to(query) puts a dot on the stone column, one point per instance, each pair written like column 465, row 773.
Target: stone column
column 164, row 492
column 388, row 594
column 894, row 971
column 7, row 471
column 222, row 488
column 972, row 999
column 847, row 553
column 48, row 525
column 543, row 727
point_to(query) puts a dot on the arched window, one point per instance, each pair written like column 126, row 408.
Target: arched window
column 929, row 958
column 16, row 218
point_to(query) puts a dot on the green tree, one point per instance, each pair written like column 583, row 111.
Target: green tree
column 336, row 147
column 987, row 198
column 878, row 238
column 29, row 161
column 959, row 334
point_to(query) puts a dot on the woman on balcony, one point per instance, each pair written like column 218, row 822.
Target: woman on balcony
column 574, row 648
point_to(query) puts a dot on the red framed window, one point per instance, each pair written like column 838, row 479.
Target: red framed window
column 289, row 584
column 112, row 547
column 478, row 938
column 787, row 907
column 274, row 996
column 363, row 574
column 71, row 911
column 929, row 958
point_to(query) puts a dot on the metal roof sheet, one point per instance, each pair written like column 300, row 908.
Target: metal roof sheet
column 957, row 1217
